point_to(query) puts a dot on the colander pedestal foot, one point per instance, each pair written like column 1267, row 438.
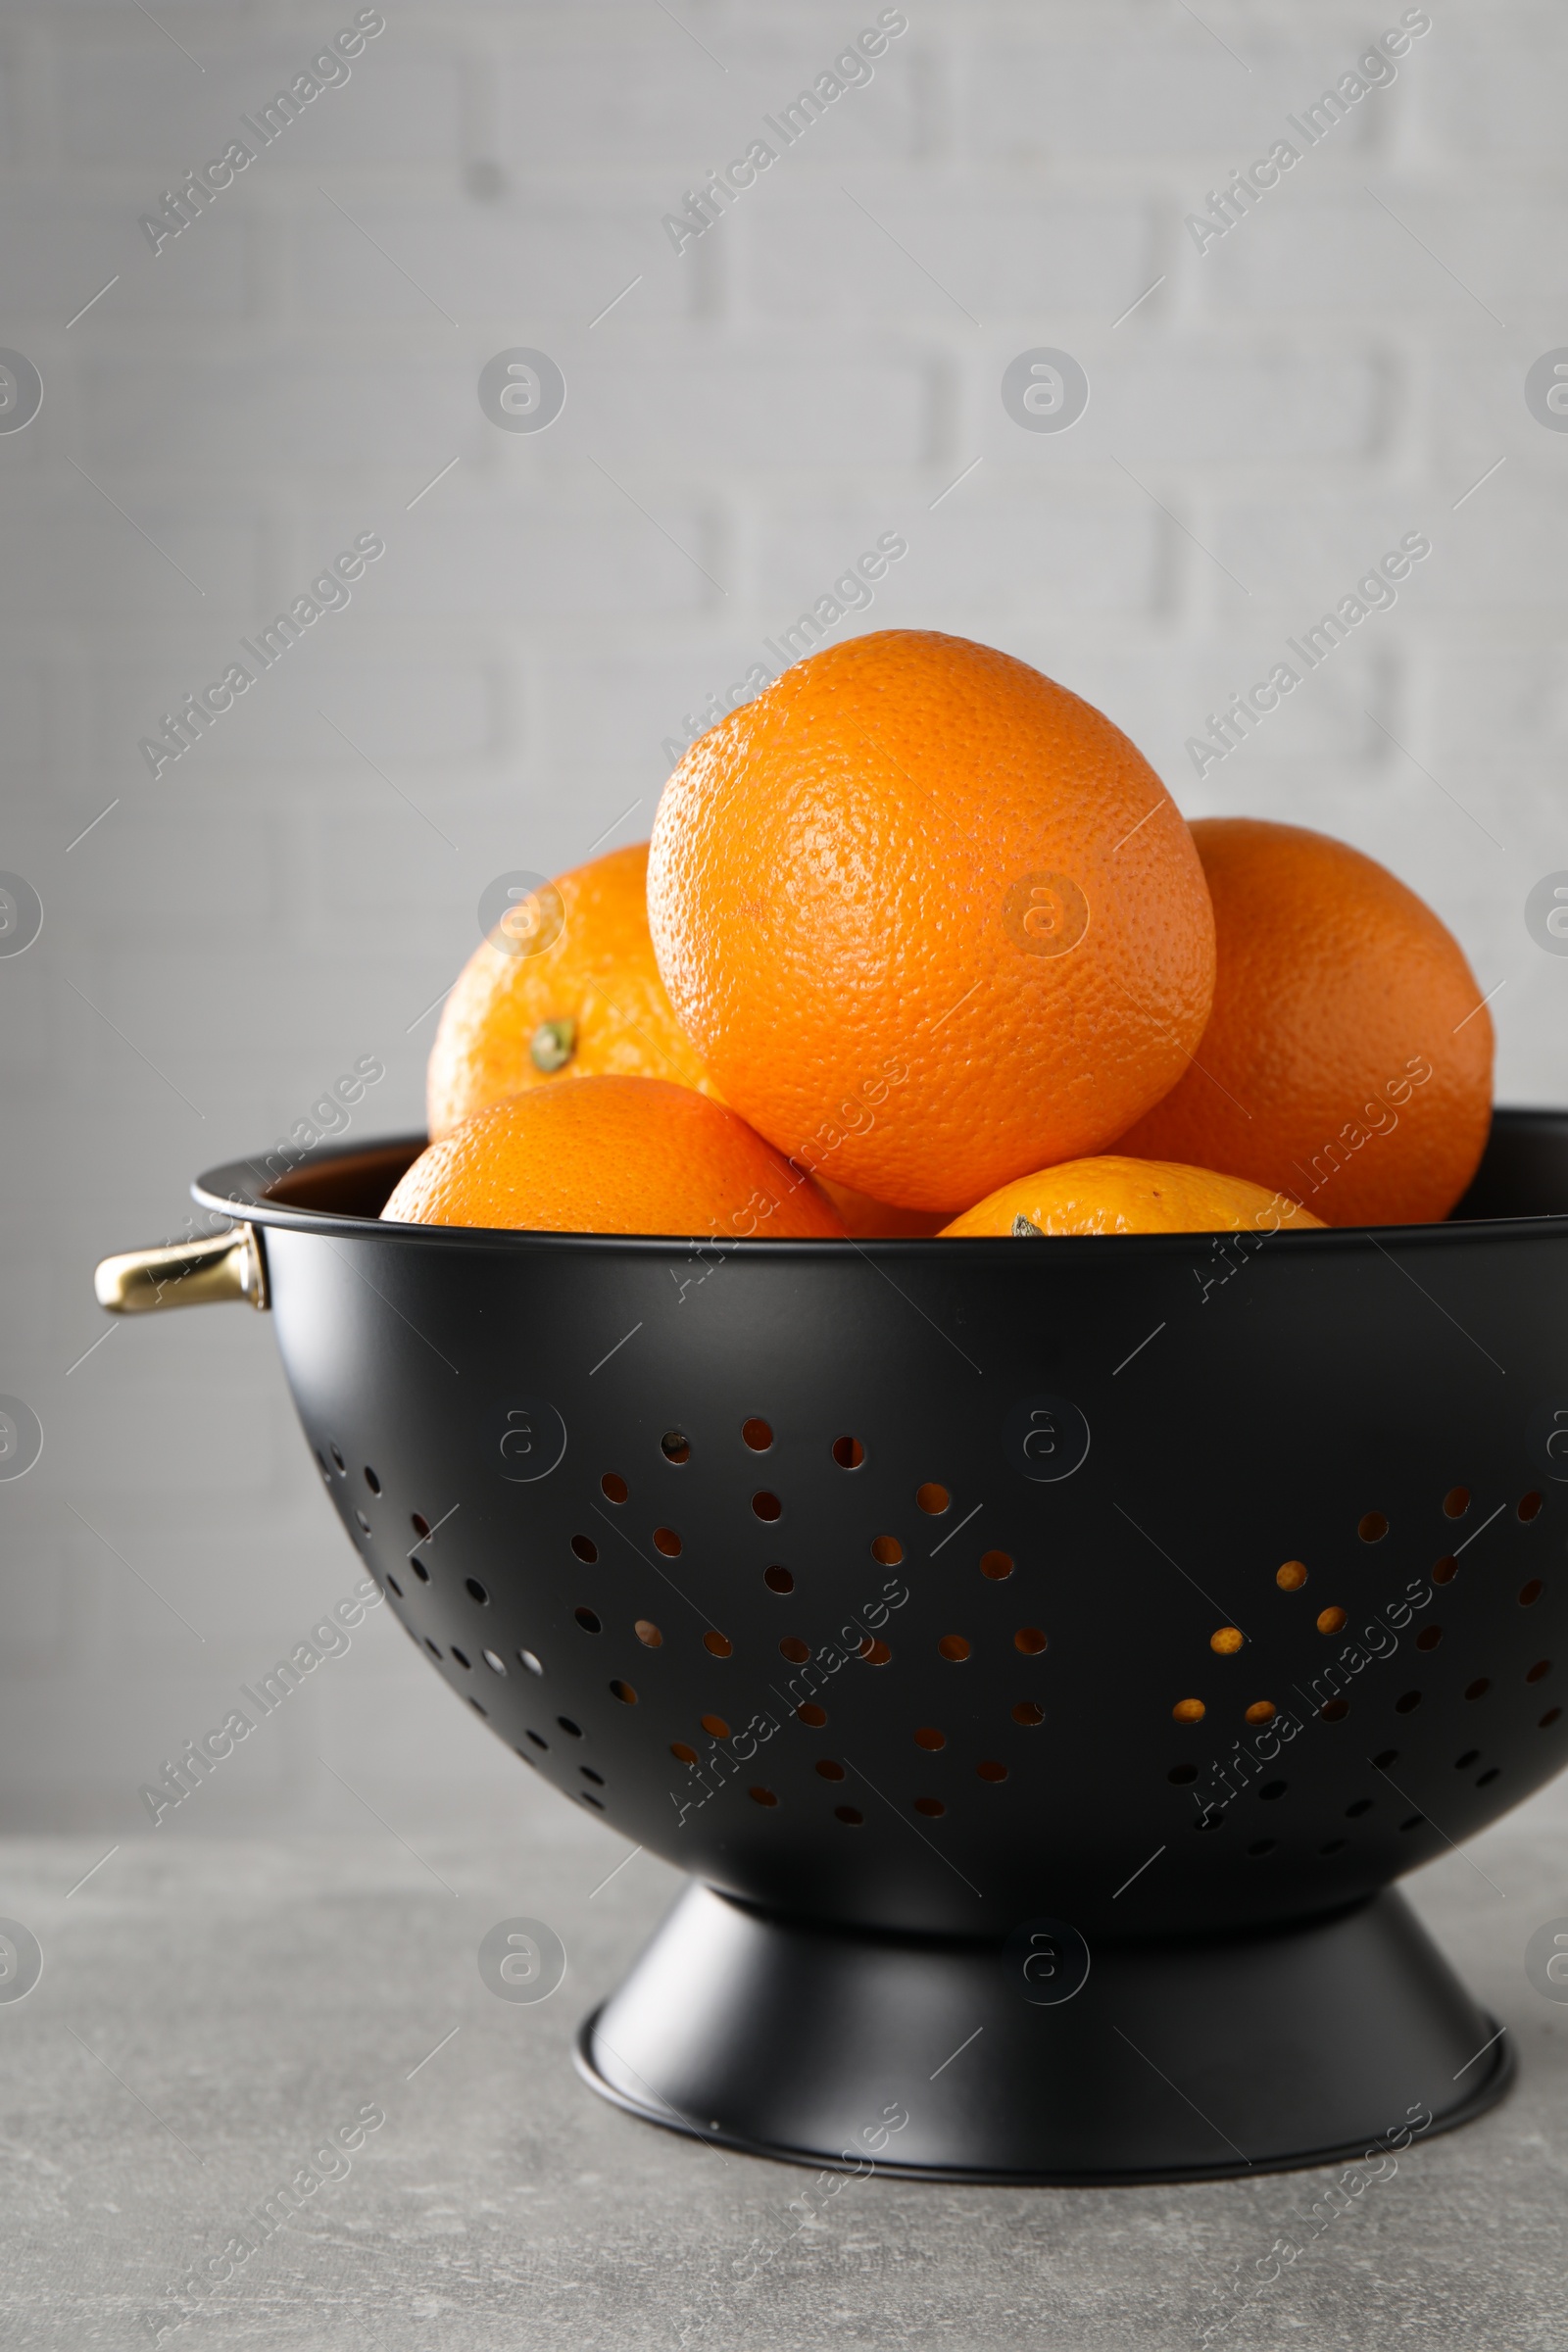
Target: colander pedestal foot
column 1322, row 2041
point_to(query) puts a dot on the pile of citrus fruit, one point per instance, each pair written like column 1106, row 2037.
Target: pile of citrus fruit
column 922, row 945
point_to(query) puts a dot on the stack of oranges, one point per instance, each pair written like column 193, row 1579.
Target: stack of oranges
column 922, row 945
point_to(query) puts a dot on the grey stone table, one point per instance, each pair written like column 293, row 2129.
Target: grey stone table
column 211, row 2016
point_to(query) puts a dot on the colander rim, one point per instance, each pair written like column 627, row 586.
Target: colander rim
column 231, row 1190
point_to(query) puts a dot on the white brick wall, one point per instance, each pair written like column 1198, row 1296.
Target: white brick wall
column 820, row 366
column 1118, row 83
column 125, row 102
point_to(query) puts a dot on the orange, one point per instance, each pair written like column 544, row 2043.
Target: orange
column 1348, row 1058
column 588, row 1002
column 929, row 919
column 865, row 1219
column 613, row 1156
column 1113, row 1194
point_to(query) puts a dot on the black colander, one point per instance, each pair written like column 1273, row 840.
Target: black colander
column 1042, row 1660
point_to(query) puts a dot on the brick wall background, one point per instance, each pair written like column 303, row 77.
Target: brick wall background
column 822, row 367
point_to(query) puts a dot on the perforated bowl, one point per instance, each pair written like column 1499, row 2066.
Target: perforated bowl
column 1042, row 1660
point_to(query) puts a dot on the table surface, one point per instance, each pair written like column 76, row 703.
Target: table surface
column 210, row 2015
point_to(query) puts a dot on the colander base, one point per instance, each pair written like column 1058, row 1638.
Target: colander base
column 1332, row 2040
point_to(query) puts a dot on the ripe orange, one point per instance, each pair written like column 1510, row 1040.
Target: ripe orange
column 613, row 1156
column 1349, row 1056
column 1115, row 1195
column 865, row 1219
column 929, row 919
column 588, row 1004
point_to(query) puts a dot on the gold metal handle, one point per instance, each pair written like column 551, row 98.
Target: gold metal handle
column 229, row 1265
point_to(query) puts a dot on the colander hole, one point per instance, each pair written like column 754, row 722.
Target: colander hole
column 668, row 1542
column 1363, row 1804
column 1334, row 1710
column 1030, row 1640
column 431, row 1648
column 1026, row 1712
column 1407, row 1703
column 778, row 1580
column 420, row 1524
column 758, row 1436
column 648, row 1634
column 887, row 1551
column 586, row 1548
column 1551, row 1717
column 930, row 1739
column 875, row 1652
column 496, row 1664
column 1529, row 1593
column 589, row 1622
column 526, row 1658
column 1539, row 1671
column 527, row 1759
column 681, row 1752
column 1189, row 1710
column 589, row 1774
column 1428, row 1636
column 477, row 1591
column 1457, row 1502
column 337, row 1458
column 362, row 1522
column 953, row 1648
column 1264, row 1845
column 851, row 1816
column 1446, row 1570
column 589, row 1799
column 478, row 1710
column 716, row 1727
column 997, row 1565
column 573, row 1731
column 795, row 1650
column 1414, row 1821
column 810, row 1714
column 933, row 1498
column 624, row 1692
column 931, row 1806
column 717, row 1645
column 1330, row 1621
column 761, row 1795
column 1181, row 1773
column 1291, row 1577
column 848, row 1452
column 676, row 1446
column 1261, row 1710
column 462, row 1658
column 1385, row 1757
column 421, row 1570
column 1272, row 1791
column 991, row 1770
column 1373, row 1526
column 1479, row 1688
column 1335, row 1846
column 1226, row 1642
column 614, row 1488
column 538, row 1742
column 1209, row 1821
column 1530, row 1505
column 767, row 1506
column 1472, row 1755
column 1483, row 1780
column 829, row 1769
column 322, row 1460
column 372, row 1480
